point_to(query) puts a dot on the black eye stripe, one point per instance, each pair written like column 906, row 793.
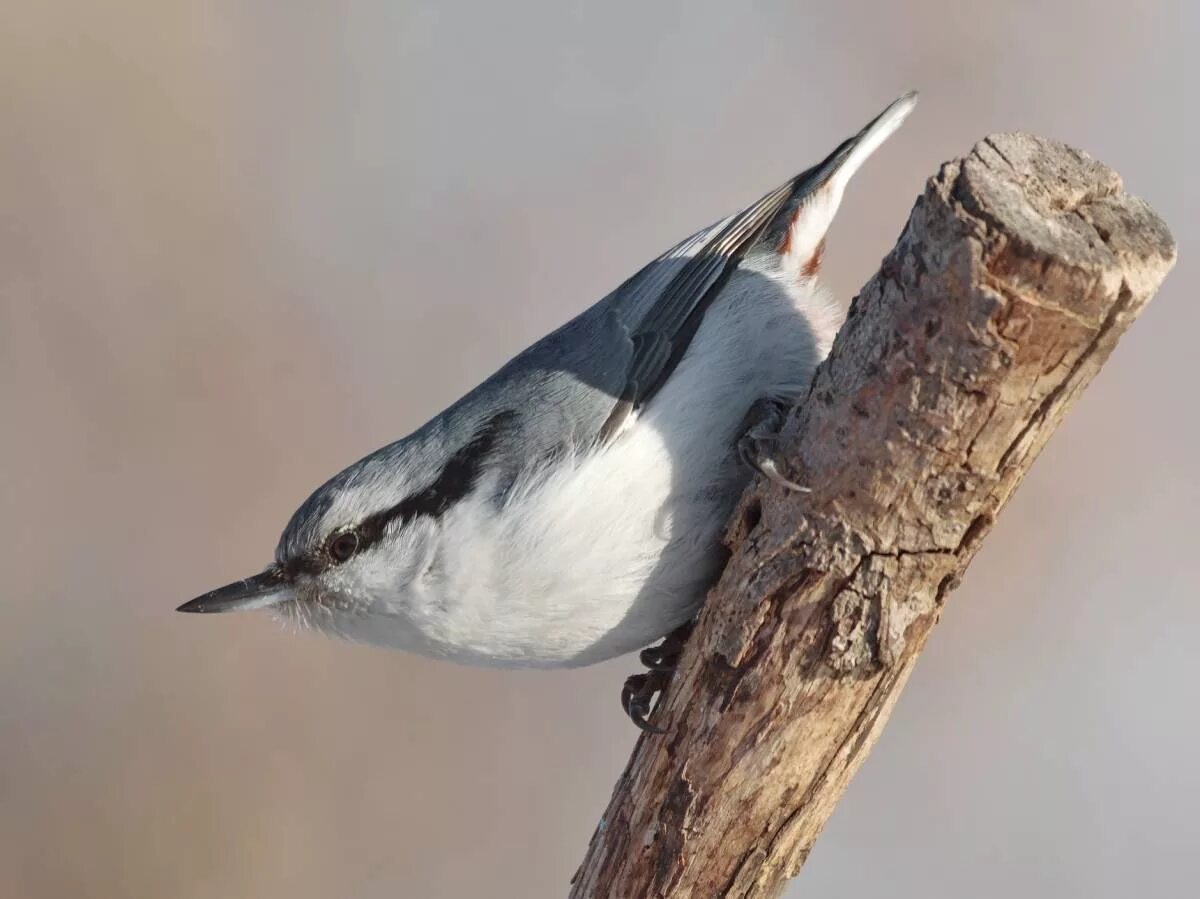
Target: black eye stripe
column 457, row 478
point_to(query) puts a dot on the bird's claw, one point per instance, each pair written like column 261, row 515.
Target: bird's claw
column 663, row 657
column 638, row 694
column 637, row 697
column 769, row 469
column 764, row 420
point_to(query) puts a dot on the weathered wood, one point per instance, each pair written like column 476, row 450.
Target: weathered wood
column 1019, row 269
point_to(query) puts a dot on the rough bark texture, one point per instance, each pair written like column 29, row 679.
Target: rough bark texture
column 1019, row 269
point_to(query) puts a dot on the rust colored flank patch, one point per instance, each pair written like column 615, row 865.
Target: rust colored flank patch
column 814, row 263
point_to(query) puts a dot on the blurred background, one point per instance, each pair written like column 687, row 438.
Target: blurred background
column 242, row 244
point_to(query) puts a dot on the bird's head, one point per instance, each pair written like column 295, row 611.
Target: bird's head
column 363, row 555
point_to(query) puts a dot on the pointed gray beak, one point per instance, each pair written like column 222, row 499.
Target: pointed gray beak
column 264, row 589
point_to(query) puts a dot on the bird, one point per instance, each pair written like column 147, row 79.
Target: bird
column 570, row 508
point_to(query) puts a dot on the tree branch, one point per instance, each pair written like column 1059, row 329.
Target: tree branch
column 1019, row 269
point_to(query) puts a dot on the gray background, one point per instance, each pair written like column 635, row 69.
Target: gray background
column 243, row 243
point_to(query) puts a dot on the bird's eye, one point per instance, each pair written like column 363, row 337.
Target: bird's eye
column 343, row 546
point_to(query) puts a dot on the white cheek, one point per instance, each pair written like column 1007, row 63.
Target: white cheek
column 429, row 568
column 390, row 576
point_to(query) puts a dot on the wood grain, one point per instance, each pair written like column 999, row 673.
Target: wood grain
column 1020, row 267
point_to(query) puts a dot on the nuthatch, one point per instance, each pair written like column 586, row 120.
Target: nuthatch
column 570, row 508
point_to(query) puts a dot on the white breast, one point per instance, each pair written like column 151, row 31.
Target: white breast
column 615, row 549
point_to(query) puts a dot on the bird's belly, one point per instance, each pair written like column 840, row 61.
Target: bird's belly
column 611, row 552
column 603, row 557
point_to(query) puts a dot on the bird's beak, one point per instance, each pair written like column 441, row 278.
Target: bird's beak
column 267, row 588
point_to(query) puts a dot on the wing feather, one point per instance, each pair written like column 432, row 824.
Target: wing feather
column 675, row 297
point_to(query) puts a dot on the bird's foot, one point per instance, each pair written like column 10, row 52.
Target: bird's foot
column 756, row 448
column 638, row 694
column 640, row 690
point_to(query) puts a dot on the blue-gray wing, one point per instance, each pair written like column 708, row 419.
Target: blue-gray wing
column 578, row 385
column 662, row 306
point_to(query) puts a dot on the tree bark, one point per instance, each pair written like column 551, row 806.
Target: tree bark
column 1020, row 267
